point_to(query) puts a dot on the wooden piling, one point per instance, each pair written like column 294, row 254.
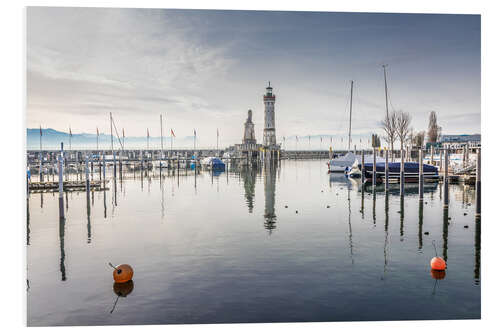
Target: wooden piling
column 386, row 171
column 374, row 169
column 478, row 183
column 445, row 180
column 402, row 173
column 362, row 166
column 440, row 160
column 61, row 181
column 87, row 179
column 420, row 175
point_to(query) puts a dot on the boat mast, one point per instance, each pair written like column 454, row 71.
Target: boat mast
column 350, row 119
column 161, row 134
column 386, row 104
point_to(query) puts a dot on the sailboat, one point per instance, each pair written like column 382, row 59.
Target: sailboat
column 342, row 163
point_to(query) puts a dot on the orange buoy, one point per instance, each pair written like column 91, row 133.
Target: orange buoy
column 438, row 275
column 438, row 263
column 122, row 273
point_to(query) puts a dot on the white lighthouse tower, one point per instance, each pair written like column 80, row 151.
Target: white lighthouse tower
column 269, row 125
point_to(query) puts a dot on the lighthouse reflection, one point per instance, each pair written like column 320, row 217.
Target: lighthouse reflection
column 269, row 175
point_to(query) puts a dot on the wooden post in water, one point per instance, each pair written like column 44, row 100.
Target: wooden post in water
column 478, row 183
column 386, row 171
column 374, row 169
column 440, row 160
column 402, row 173
column 445, row 180
column 87, row 180
column 92, row 165
column 104, row 170
column 362, row 166
column 420, row 175
column 114, row 164
column 100, row 165
column 61, row 189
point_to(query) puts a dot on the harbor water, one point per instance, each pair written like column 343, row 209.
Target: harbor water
column 278, row 243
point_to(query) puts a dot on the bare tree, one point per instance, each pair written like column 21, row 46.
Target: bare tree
column 403, row 120
column 433, row 131
column 389, row 126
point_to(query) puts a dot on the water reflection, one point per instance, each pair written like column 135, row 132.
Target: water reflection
column 269, row 196
column 249, row 179
column 62, row 267
column 122, row 290
column 477, row 250
column 336, row 246
column 27, row 220
column 89, row 232
column 349, row 223
column 445, row 233
column 402, row 217
column 386, row 232
column 420, row 223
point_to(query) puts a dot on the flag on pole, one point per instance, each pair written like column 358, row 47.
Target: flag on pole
column 40, row 130
column 172, row 132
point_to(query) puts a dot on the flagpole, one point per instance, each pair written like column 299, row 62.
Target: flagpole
column 97, row 138
column 111, row 132
column 70, row 135
column 40, row 139
column 217, row 140
column 147, row 129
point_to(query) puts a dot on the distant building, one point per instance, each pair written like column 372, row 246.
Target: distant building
column 459, row 141
column 456, row 141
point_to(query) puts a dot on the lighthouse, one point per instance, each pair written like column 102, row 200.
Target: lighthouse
column 269, row 125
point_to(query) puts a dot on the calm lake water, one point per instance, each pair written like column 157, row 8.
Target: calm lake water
column 225, row 249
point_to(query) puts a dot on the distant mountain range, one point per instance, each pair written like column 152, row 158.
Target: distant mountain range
column 51, row 139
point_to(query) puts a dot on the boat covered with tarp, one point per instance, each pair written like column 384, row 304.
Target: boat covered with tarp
column 411, row 172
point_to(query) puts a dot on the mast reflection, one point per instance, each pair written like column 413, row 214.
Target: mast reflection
column 402, row 217
column 477, row 251
column 89, row 232
column 386, row 230
column 27, row 221
column 445, row 234
column 62, row 267
column 420, row 223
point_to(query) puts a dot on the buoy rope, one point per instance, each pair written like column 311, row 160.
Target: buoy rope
column 110, row 264
column 435, row 251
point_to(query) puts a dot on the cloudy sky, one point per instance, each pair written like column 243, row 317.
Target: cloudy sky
column 205, row 69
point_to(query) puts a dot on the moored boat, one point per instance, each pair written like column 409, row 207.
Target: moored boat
column 411, row 172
